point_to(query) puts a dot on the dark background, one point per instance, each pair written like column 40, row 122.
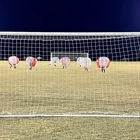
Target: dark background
column 70, row 16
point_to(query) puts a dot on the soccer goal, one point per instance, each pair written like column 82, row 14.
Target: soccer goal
column 72, row 55
column 108, row 88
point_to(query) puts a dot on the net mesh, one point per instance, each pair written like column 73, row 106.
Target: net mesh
column 52, row 90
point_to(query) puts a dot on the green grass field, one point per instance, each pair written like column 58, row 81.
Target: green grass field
column 52, row 90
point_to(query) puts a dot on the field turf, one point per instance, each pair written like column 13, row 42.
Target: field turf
column 52, row 90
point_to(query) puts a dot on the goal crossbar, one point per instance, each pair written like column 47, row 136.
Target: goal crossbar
column 71, row 33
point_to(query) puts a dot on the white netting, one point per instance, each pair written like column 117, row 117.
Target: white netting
column 54, row 91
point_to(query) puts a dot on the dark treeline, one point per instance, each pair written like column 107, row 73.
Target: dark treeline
column 115, row 48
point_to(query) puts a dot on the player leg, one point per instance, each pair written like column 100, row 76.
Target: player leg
column 86, row 69
column 30, row 68
column 102, row 69
column 14, row 66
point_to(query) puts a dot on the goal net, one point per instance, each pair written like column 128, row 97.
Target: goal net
column 106, row 84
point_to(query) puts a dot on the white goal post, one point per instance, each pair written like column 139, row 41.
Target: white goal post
column 72, row 55
column 73, row 92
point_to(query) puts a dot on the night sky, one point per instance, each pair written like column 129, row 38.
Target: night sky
column 70, row 15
